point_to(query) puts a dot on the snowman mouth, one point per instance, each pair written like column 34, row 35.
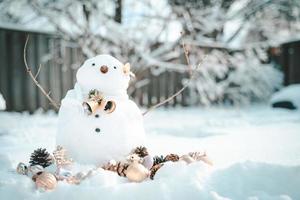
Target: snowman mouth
column 110, row 107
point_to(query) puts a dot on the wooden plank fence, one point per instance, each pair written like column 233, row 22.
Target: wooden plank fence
column 60, row 60
column 290, row 61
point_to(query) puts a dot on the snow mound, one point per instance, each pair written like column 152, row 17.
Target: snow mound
column 290, row 95
column 247, row 165
column 2, row 102
column 247, row 180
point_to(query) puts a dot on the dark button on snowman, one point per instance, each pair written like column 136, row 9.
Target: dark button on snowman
column 113, row 129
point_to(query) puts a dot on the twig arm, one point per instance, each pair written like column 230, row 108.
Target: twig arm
column 34, row 78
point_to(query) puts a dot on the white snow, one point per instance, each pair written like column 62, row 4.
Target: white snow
column 255, row 152
column 2, row 102
column 290, row 93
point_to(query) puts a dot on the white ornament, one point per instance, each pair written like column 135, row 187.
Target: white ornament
column 103, row 135
column 136, row 172
column 33, row 170
column 148, row 161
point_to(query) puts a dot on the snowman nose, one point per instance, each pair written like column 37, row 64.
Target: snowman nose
column 104, row 69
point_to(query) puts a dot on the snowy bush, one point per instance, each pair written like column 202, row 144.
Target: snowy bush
column 235, row 79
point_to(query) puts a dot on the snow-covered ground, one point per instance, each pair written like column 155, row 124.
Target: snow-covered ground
column 256, row 154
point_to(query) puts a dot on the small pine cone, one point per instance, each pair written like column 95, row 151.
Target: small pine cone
column 61, row 157
column 141, row 151
column 158, row 160
column 172, row 157
column 110, row 167
column 41, row 157
column 121, row 169
column 154, row 169
column 197, row 155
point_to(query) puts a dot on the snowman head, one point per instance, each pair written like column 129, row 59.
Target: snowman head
column 104, row 73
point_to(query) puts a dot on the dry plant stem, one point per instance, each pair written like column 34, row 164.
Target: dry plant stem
column 192, row 74
column 34, row 78
column 186, row 54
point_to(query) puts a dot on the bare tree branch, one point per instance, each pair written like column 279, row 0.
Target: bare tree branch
column 192, row 75
column 29, row 71
column 38, row 72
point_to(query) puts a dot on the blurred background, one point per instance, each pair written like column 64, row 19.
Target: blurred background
column 244, row 60
column 252, row 48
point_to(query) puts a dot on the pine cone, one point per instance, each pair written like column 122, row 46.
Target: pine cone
column 118, row 167
column 141, row 151
column 154, row 169
column 121, row 169
column 110, row 167
column 172, row 157
column 158, row 160
column 40, row 157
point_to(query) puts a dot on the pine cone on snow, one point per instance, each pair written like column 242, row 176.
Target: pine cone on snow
column 172, row 157
column 118, row 167
column 141, row 151
column 121, row 169
column 158, row 160
column 40, row 157
column 154, row 169
column 110, row 167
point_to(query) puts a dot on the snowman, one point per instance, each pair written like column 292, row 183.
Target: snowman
column 109, row 130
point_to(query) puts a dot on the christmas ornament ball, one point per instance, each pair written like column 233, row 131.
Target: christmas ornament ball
column 22, row 169
column 137, row 172
column 45, row 180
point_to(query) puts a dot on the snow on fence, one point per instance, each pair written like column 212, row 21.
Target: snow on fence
column 60, row 60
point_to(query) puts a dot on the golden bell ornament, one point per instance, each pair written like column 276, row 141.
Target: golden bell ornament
column 109, row 107
column 45, row 180
column 137, row 172
column 90, row 106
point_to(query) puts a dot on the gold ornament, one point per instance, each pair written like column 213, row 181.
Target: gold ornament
column 95, row 101
column 45, row 180
column 61, row 157
column 188, row 159
column 109, row 107
column 90, row 107
column 22, row 169
column 136, row 172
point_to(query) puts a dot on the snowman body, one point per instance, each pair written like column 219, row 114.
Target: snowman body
column 100, row 137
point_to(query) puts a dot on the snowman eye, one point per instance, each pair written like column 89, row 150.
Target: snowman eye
column 93, row 64
column 115, row 67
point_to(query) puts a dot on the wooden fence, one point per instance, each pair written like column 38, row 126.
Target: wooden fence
column 290, row 61
column 60, row 60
